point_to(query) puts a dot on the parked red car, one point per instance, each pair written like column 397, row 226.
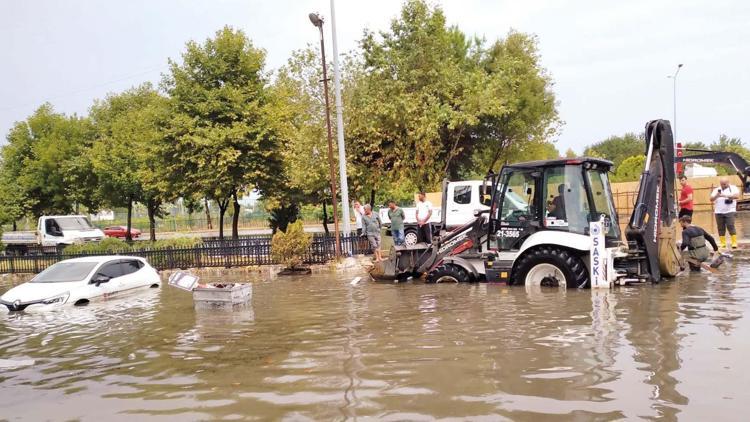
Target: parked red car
column 121, row 231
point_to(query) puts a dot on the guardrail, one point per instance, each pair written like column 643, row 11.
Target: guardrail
column 250, row 251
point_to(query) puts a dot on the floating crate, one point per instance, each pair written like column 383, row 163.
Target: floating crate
column 228, row 296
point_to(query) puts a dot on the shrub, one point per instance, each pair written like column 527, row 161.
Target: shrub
column 174, row 243
column 290, row 246
column 108, row 245
column 111, row 245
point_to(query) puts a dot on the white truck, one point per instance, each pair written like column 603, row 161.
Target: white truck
column 52, row 231
column 462, row 199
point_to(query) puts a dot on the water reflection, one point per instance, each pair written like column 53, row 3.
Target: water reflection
column 319, row 348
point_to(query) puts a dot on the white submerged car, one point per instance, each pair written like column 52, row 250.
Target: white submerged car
column 80, row 281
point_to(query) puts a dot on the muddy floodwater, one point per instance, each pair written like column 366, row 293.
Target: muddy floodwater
column 318, row 348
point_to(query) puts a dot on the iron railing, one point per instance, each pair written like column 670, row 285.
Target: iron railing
column 249, row 251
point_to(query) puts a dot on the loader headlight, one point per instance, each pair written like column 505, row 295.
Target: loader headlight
column 57, row 300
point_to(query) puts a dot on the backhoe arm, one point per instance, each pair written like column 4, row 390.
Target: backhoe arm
column 651, row 228
column 730, row 159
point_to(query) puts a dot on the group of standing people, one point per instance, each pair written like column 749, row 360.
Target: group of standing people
column 368, row 223
column 724, row 197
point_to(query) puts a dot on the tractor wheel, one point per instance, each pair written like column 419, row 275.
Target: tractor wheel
column 410, row 237
column 552, row 267
column 448, row 273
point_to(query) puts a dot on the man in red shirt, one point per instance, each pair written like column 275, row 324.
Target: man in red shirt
column 686, row 198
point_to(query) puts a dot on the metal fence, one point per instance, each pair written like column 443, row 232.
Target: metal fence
column 249, row 251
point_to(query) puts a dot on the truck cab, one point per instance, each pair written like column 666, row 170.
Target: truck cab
column 67, row 229
column 52, row 231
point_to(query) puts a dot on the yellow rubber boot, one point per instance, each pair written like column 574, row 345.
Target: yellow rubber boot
column 734, row 241
column 722, row 242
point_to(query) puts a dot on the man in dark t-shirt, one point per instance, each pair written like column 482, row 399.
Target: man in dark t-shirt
column 694, row 240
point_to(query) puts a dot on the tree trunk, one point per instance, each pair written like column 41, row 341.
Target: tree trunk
column 325, row 218
column 372, row 198
column 236, row 217
column 223, row 205
column 15, row 227
column 128, row 235
column 208, row 214
column 151, row 208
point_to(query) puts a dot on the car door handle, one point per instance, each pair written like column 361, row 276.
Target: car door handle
column 454, row 210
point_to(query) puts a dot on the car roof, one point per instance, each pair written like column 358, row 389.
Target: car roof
column 102, row 258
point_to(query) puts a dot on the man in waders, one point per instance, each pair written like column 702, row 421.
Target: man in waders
column 694, row 240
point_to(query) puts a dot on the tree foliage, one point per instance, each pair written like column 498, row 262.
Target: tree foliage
column 617, row 148
column 422, row 101
column 46, row 165
column 428, row 102
column 630, row 169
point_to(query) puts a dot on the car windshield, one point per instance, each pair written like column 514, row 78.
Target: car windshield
column 65, row 272
column 74, row 223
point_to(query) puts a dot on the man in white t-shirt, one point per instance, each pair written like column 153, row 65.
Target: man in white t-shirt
column 725, row 198
column 424, row 212
column 359, row 211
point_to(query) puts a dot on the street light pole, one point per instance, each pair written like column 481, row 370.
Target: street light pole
column 674, row 98
column 340, row 127
column 317, row 20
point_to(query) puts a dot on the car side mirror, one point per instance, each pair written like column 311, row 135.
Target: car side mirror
column 99, row 279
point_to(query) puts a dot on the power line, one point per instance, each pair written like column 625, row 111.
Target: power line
column 86, row 89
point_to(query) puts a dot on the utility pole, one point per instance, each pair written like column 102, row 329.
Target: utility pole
column 340, row 127
column 317, row 20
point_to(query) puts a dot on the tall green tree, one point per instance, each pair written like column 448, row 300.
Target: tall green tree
column 46, row 162
column 427, row 102
column 526, row 118
column 128, row 125
column 222, row 140
column 301, row 113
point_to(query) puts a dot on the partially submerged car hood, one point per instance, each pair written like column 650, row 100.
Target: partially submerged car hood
column 36, row 291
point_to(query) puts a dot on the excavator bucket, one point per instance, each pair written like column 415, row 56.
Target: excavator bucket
column 670, row 259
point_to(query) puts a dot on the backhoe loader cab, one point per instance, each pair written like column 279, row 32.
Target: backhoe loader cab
column 560, row 196
column 540, row 217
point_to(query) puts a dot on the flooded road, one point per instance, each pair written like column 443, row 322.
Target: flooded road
column 316, row 348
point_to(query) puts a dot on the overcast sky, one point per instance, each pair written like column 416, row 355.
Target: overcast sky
column 609, row 59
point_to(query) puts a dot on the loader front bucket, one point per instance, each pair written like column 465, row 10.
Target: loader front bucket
column 386, row 269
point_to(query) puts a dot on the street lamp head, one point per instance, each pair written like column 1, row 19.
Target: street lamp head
column 316, row 19
column 679, row 65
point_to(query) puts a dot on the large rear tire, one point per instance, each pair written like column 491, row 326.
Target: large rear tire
column 448, row 273
column 551, row 266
